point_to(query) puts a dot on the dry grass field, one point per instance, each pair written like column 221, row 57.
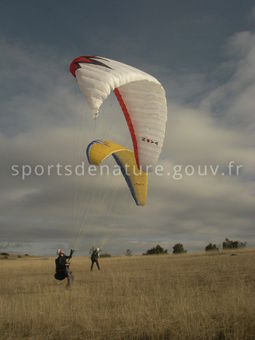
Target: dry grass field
column 206, row 296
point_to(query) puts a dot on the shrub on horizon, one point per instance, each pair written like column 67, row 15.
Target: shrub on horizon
column 156, row 250
column 179, row 249
column 211, row 247
column 4, row 254
column 105, row 255
column 229, row 244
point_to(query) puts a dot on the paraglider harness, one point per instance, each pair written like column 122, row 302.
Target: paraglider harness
column 62, row 266
column 95, row 255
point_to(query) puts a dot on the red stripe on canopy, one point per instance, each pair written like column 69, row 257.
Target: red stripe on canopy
column 129, row 123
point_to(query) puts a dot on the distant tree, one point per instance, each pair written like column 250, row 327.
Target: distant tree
column 156, row 250
column 4, row 254
column 128, row 252
column 179, row 249
column 105, row 255
column 211, row 247
column 229, row 244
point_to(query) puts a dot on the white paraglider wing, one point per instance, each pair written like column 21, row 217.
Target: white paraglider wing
column 141, row 97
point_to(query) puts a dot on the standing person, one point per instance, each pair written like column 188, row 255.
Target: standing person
column 94, row 258
column 63, row 267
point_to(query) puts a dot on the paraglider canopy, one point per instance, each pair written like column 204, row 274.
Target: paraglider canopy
column 140, row 95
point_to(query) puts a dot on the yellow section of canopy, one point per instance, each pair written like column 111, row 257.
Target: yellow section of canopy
column 136, row 179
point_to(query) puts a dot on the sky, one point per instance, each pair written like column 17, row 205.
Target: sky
column 203, row 53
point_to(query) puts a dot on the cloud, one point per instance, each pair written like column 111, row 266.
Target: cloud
column 45, row 120
column 233, row 100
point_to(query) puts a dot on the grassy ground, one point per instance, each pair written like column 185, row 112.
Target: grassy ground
column 139, row 297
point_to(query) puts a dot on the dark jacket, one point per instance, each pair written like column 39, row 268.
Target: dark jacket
column 94, row 255
column 61, row 269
